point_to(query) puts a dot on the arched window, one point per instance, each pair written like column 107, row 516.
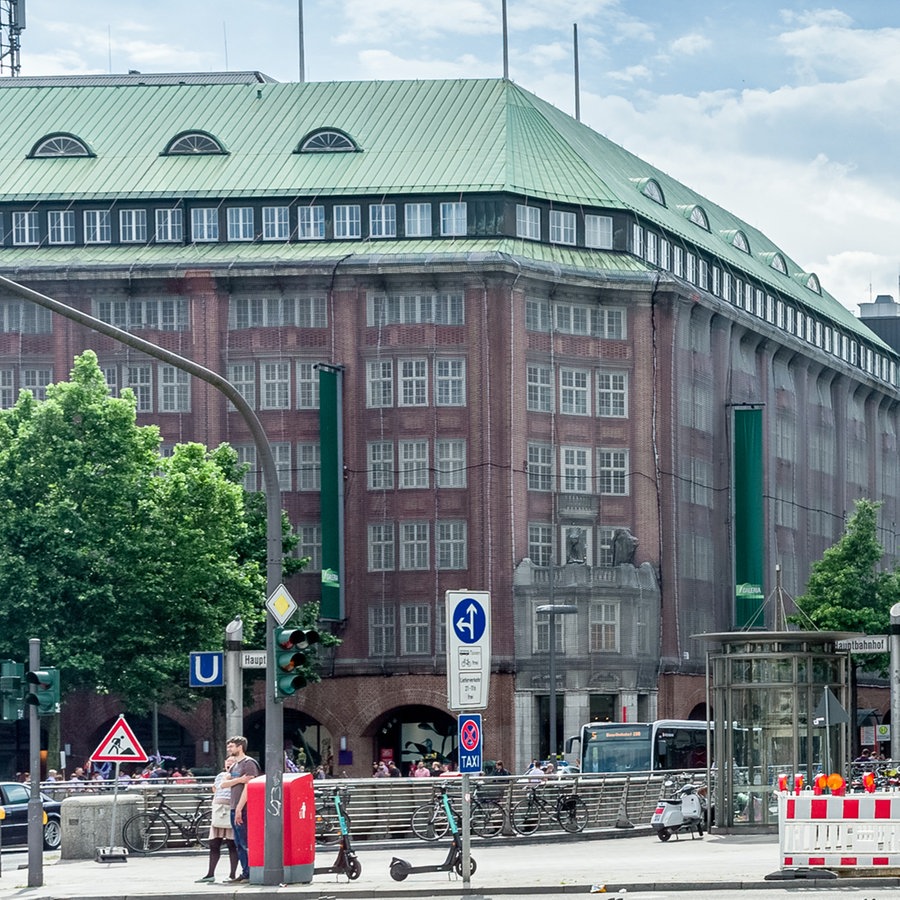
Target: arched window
column 778, row 263
column 650, row 188
column 740, row 241
column 698, row 217
column 327, row 140
column 813, row 283
column 193, row 143
column 54, row 145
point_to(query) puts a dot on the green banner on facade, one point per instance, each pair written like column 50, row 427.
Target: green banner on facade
column 331, row 438
column 747, row 490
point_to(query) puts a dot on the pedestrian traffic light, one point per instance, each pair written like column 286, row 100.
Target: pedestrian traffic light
column 11, row 700
column 45, row 695
column 290, row 659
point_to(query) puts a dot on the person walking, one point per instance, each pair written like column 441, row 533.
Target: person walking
column 220, row 830
column 243, row 769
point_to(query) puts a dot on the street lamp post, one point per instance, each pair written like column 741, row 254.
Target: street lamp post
column 553, row 610
column 273, row 855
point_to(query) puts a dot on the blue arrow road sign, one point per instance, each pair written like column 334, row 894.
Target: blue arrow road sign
column 207, row 669
column 471, row 741
column 469, row 620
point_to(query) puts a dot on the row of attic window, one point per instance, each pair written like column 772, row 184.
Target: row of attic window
column 190, row 143
column 333, row 140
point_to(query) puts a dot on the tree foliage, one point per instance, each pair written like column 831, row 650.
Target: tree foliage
column 121, row 560
column 846, row 590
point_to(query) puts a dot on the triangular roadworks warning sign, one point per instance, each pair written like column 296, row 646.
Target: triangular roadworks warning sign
column 120, row 745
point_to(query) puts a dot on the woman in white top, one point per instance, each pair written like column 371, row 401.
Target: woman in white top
column 220, row 829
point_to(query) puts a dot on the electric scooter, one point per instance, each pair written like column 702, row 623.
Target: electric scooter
column 686, row 811
column 400, row 868
column 346, row 862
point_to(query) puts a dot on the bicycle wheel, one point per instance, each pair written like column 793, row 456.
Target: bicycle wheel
column 145, row 833
column 202, row 825
column 428, row 823
column 487, row 819
column 572, row 813
column 526, row 816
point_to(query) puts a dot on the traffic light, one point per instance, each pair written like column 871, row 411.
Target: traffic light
column 45, row 696
column 290, row 659
column 11, row 700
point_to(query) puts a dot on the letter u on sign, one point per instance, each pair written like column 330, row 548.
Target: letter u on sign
column 207, row 670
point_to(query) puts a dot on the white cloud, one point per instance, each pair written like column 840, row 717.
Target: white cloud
column 371, row 21
column 690, row 44
column 631, row 74
column 382, row 64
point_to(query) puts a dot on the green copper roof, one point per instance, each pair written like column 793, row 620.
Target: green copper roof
column 415, row 138
column 131, row 258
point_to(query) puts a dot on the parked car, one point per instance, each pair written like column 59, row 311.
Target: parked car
column 14, row 828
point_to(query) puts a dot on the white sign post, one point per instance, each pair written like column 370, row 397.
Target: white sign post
column 468, row 649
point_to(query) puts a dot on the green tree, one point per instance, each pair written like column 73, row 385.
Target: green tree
column 122, row 561
column 846, row 590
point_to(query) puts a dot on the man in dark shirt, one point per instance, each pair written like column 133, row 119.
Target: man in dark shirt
column 243, row 770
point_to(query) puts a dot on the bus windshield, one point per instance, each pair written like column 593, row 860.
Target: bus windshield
column 666, row 745
column 615, row 748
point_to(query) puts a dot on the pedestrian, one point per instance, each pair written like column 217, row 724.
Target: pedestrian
column 393, row 771
column 220, row 830
column 500, row 769
column 421, row 770
column 243, row 769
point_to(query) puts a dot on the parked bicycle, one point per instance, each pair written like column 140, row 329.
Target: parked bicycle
column 147, row 832
column 568, row 809
column 487, row 815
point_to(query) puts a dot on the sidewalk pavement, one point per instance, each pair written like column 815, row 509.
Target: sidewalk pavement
column 636, row 863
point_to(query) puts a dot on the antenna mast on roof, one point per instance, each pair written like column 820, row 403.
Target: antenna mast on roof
column 12, row 24
column 301, row 39
column 577, row 77
column 505, row 45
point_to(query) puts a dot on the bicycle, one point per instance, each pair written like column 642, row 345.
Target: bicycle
column 147, row 832
column 429, row 821
column 569, row 810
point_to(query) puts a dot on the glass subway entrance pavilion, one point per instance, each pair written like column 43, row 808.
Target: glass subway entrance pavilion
column 767, row 693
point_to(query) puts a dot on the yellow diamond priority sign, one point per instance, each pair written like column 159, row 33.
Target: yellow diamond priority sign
column 281, row 604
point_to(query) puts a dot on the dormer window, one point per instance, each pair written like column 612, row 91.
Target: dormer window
column 194, row 143
column 813, row 283
column 740, row 241
column 778, row 263
column 698, row 217
column 56, row 145
column 649, row 187
column 327, row 140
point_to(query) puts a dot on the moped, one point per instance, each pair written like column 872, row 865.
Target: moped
column 686, row 811
column 400, row 868
column 346, row 862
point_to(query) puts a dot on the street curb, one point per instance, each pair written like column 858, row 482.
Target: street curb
column 320, row 890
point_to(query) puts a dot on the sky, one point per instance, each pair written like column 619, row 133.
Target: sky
column 785, row 113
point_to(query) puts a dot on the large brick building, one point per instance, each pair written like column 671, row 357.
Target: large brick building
column 552, row 353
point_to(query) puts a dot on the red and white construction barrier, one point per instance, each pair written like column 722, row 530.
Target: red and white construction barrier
column 861, row 831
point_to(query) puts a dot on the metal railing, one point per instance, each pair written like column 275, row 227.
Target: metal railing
column 381, row 808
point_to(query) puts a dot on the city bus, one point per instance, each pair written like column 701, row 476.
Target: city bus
column 663, row 746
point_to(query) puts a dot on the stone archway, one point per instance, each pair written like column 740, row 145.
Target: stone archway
column 307, row 743
column 406, row 734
